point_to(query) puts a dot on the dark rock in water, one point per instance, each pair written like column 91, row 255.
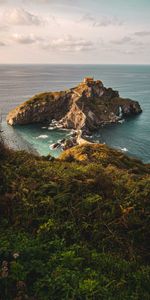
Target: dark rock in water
column 85, row 107
column 75, row 139
column 62, row 141
column 56, row 145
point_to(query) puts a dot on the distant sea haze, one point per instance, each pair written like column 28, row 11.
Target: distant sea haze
column 19, row 82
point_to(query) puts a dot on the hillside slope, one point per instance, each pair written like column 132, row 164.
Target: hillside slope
column 76, row 227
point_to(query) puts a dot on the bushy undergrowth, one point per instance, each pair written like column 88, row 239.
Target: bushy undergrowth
column 75, row 227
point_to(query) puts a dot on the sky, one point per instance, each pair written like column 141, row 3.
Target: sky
column 75, row 31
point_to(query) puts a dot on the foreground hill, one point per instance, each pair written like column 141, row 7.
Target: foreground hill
column 85, row 107
column 75, row 227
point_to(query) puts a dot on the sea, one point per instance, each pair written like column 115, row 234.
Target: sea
column 20, row 82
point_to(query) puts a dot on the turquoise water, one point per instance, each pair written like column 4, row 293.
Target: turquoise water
column 41, row 138
column 19, row 82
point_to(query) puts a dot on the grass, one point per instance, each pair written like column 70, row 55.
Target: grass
column 76, row 227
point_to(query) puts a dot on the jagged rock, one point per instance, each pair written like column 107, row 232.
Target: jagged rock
column 85, row 107
column 76, row 138
column 55, row 145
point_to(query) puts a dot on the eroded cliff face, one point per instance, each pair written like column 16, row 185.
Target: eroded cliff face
column 85, row 107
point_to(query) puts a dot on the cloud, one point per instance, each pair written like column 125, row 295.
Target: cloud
column 133, row 51
column 3, row 27
column 102, row 22
column 55, row 2
column 25, row 39
column 66, row 44
column 51, row 19
column 128, row 52
column 122, row 41
column 127, row 40
column 142, row 33
column 2, row 44
column 70, row 44
column 19, row 16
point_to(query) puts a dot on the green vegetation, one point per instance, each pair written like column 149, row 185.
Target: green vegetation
column 43, row 98
column 75, row 227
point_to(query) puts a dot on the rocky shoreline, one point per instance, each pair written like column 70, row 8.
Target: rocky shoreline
column 84, row 108
column 76, row 138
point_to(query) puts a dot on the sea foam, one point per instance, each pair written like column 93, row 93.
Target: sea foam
column 42, row 136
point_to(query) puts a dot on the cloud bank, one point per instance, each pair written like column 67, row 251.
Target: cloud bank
column 19, row 16
column 69, row 44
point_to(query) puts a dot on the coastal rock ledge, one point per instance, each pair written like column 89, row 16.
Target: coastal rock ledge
column 85, row 107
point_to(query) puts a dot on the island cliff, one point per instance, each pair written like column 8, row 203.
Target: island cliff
column 85, row 107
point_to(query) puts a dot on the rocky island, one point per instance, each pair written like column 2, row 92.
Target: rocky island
column 85, row 107
column 76, row 226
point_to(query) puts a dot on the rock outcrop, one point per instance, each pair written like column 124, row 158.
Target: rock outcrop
column 85, row 107
column 76, row 138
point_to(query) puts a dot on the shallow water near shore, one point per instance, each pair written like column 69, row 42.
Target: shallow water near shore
column 19, row 82
column 37, row 139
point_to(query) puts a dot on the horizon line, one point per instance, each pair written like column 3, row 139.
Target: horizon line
column 82, row 64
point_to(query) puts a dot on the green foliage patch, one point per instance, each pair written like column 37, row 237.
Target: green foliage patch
column 75, row 227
